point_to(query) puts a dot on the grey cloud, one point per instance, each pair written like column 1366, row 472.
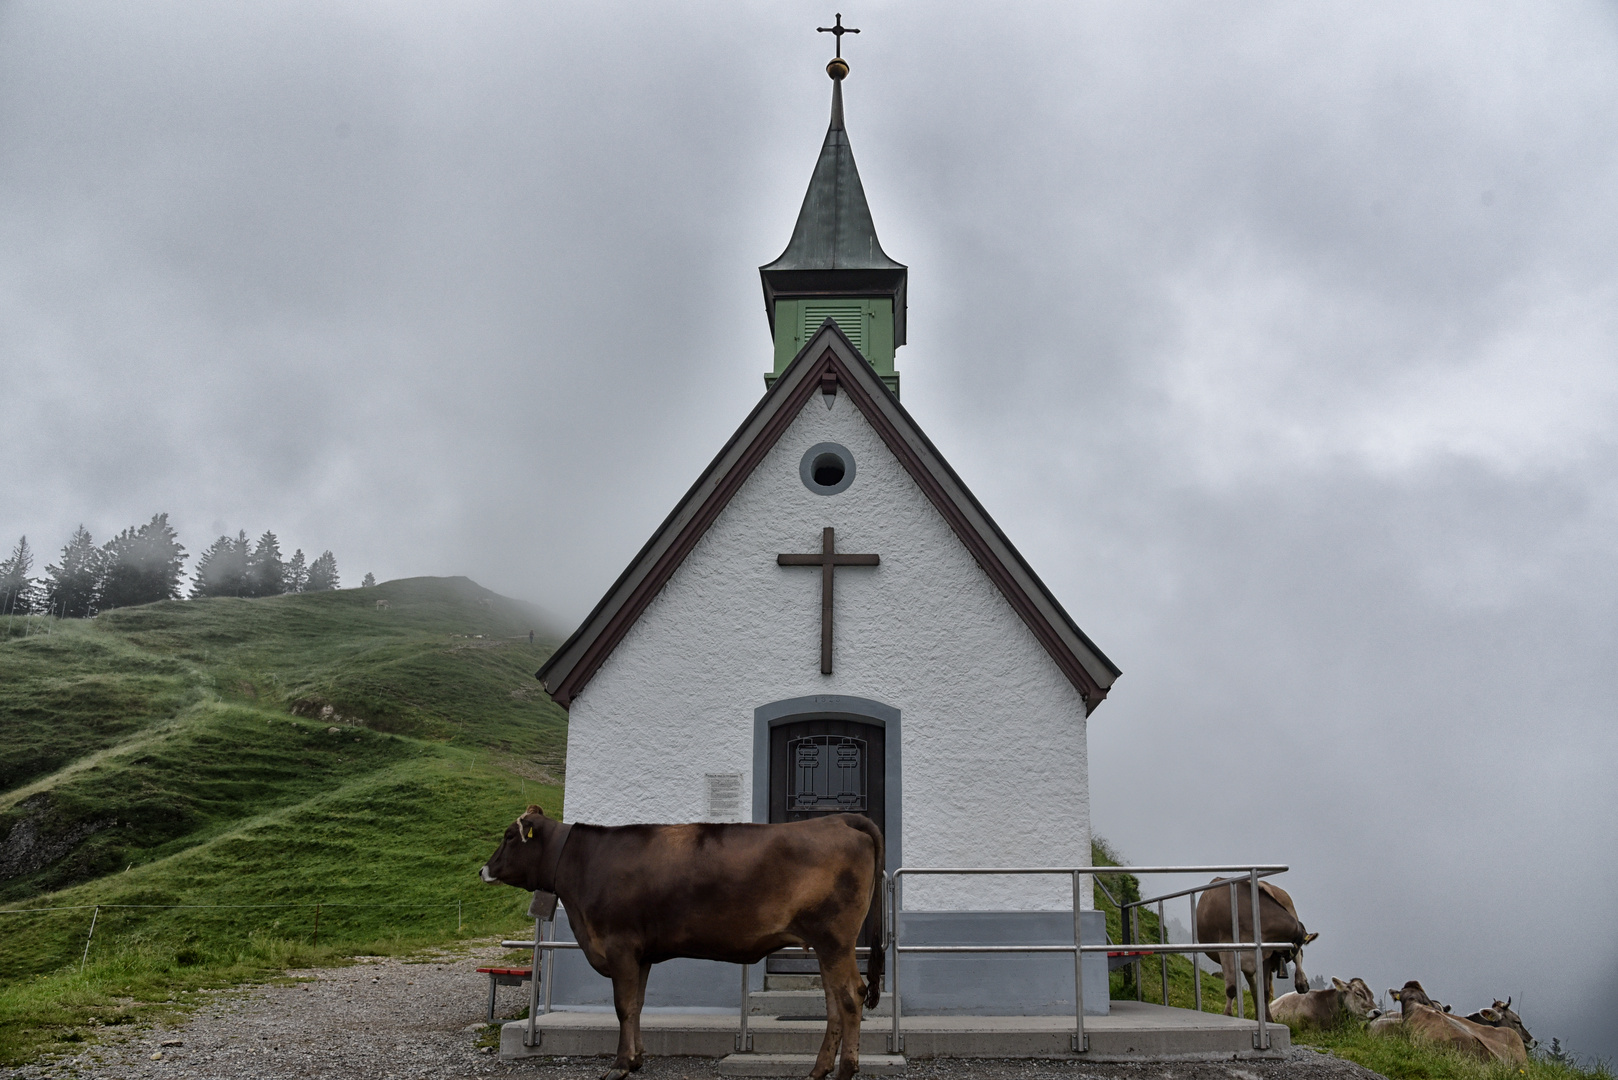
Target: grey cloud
column 1279, row 339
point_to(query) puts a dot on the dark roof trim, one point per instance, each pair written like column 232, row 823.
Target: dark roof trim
column 578, row 659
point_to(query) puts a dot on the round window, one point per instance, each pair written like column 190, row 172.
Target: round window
column 827, row 468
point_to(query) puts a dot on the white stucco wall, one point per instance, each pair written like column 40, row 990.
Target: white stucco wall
column 994, row 757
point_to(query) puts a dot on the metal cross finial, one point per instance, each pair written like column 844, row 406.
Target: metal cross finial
column 839, row 30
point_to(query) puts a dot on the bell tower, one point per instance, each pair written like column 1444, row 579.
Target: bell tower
column 833, row 267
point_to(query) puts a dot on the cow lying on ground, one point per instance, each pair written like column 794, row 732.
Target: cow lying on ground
column 1277, row 918
column 1327, row 1008
column 1422, row 1019
column 1501, row 1016
column 637, row 895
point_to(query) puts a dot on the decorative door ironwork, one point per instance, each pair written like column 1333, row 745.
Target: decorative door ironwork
column 828, row 774
column 827, row 767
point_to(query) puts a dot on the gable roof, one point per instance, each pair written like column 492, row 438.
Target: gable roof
column 828, row 359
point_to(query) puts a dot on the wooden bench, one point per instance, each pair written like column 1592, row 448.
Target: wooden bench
column 500, row 976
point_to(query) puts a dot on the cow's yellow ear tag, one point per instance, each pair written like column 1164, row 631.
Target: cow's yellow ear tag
column 530, row 832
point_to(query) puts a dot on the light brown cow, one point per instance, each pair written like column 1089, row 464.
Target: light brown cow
column 1422, row 1019
column 637, row 895
column 1277, row 918
column 1328, row 1007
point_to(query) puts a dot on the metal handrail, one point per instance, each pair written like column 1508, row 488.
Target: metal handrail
column 744, row 1037
column 1081, row 1041
column 540, row 945
column 540, row 971
column 1252, row 876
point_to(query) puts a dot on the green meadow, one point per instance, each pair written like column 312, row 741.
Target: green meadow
column 229, row 788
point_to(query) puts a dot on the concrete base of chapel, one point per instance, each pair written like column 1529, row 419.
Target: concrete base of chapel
column 1132, row 1031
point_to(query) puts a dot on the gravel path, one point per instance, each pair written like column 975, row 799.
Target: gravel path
column 423, row 1018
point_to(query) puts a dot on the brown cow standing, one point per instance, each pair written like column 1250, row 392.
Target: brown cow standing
column 1277, row 918
column 637, row 895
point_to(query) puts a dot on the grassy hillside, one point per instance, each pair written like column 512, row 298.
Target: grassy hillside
column 272, row 754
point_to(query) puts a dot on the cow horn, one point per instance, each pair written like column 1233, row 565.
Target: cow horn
column 522, row 832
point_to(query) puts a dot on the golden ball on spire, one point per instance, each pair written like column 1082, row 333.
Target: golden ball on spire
column 837, row 69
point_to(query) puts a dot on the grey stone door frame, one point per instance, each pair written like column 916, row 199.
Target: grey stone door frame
column 835, row 707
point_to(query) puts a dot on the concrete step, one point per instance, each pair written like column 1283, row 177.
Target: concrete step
column 801, row 1003
column 793, row 982
column 800, row 1064
column 1132, row 1032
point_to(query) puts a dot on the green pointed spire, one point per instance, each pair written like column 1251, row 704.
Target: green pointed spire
column 834, row 266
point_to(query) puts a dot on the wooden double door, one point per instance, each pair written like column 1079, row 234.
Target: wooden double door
column 820, row 767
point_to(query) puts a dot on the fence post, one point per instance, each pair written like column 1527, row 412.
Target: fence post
column 94, row 915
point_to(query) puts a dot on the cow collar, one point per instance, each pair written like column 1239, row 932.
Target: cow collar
column 553, row 855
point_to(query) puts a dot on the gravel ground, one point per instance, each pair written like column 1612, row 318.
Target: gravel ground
column 423, row 1018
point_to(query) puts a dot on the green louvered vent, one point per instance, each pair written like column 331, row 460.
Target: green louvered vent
column 850, row 317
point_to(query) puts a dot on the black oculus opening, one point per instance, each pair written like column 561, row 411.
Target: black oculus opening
column 827, row 470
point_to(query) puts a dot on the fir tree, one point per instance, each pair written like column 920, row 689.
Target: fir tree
column 370, row 579
column 297, row 573
column 322, row 573
column 18, row 593
column 222, row 568
column 266, row 573
column 74, row 584
column 143, row 565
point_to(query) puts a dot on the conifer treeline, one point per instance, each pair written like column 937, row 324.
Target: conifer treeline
column 141, row 565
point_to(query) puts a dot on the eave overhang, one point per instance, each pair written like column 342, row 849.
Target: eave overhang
column 827, row 357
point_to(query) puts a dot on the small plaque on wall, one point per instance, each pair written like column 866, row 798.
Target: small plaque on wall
column 724, row 796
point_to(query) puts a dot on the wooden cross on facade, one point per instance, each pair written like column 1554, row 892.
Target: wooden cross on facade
column 828, row 560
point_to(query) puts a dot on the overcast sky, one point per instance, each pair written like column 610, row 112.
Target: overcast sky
column 1281, row 338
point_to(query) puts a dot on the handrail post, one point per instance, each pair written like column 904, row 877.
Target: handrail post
column 1134, row 962
column 744, row 1038
column 1261, row 1039
column 550, row 963
column 535, row 973
column 1163, row 939
column 896, row 1040
column 1081, row 1041
column 1196, row 963
column 1235, row 957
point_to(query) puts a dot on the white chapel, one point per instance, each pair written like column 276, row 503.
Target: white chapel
column 829, row 621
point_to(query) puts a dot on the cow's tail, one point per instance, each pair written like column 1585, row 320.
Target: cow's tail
column 871, row 935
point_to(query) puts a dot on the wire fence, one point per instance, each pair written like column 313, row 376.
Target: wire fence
column 316, row 906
